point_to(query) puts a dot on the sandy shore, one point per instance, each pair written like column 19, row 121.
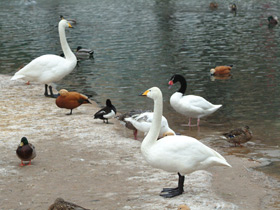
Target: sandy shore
column 99, row 166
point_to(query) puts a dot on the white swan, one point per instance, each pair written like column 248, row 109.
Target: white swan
column 143, row 122
column 181, row 154
column 50, row 68
column 191, row 106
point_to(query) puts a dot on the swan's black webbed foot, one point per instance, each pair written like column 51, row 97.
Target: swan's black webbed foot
column 51, row 95
column 171, row 192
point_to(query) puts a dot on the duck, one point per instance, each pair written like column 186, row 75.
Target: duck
column 81, row 52
column 183, row 207
column 128, row 124
column 143, row 122
column 178, row 153
column 61, row 204
column 70, row 100
column 213, row 5
column 221, row 70
column 233, row 7
column 192, row 106
column 108, row 112
column 25, row 151
column 239, row 135
column 272, row 20
column 50, row 68
column 71, row 21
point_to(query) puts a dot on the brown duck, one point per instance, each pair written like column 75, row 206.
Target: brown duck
column 25, row 151
column 70, row 100
column 239, row 135
column 61, row 204
column 221, row 70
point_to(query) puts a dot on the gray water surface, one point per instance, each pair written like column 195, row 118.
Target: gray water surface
column 142, row 43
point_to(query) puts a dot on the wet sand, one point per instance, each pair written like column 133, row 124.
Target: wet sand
column 100, row 166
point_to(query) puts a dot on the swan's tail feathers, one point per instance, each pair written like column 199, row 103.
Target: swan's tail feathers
column 219, row 161
column 17, row 76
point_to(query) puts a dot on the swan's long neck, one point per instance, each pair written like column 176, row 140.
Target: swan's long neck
column 69, row 55
column 153, row 133
column 183, row 83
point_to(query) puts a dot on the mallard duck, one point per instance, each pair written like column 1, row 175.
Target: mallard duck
column 191, row 106
column 272, row 20
column 81, row 52
column 25, row 151
column 221, row 70
column 183, row 207
column 239, row 135
column 233, row 7
column 71, row 100
column 143, row 122
column 49, row 68
column 178, row 153
column 213, row 5
column 128, row 124
column 108, row 112
column 71, row 21
column 60, row 204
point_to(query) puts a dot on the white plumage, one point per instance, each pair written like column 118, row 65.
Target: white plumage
column 191, row 106
column 143, row 122
column 50, row 68
column 181, row 154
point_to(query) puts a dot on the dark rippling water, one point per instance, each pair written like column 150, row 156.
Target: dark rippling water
column 141, row 43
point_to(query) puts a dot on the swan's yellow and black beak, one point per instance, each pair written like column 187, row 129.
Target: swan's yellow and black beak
column 145, row 93
column 69, row 25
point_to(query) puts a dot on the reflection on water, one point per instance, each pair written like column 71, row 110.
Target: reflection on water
column 140, row 44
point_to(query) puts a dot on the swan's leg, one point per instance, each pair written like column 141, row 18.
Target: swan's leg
column 46, row 90
column 135, row 134
column 172, row 192
column 190, row 122
column 198, row 120
column 51, row 93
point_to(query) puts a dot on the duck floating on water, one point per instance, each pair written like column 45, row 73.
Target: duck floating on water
column 49, row 68
column 25, row 151
column 213, row 5
column 272, row 20
column 82, row 52
column 108, row 112
column 71, row 100
column 221, row 70
column 61, row 204
column 178, row 153
column 239, row 135
column 191, row 106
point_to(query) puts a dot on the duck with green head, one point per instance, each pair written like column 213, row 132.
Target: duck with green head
column 25, row 151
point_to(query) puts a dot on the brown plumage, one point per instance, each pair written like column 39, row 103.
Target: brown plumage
column 213, row 5
column 221, row 70
column 239, row 135
column 183, row 207
column 25, row 151
column 61, row 204
column 70, row 100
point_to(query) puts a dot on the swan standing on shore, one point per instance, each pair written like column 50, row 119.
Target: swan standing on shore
column 191, row 106
column 50, row 68
column 180, row 154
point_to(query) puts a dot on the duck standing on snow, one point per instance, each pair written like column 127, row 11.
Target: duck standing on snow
column 49, row 68
column 221, row 70
column 128, row 124
column 180, row 154
column 143, row 123
column 70, row 100
column 239, row 135
column 60, row 204
column 25, row 151
column 81, row 52
column 108, row 112
column 191, row 106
